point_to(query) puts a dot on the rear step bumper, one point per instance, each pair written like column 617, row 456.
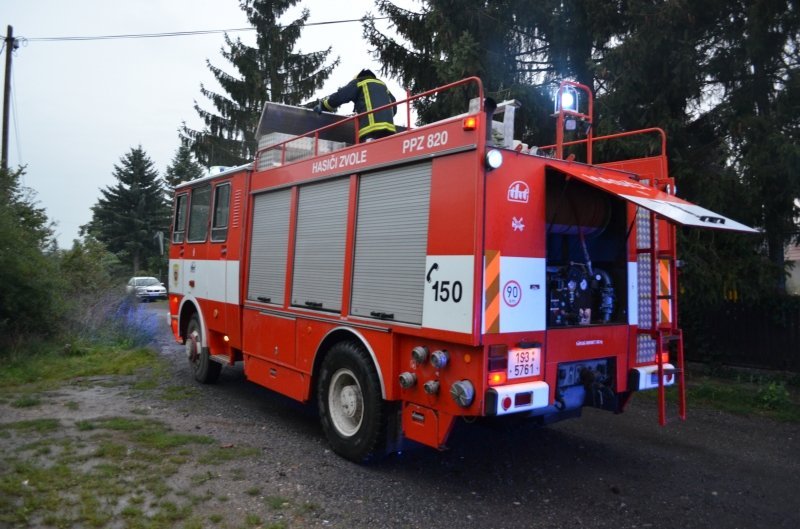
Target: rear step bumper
column 642, row 378
column 516, row 398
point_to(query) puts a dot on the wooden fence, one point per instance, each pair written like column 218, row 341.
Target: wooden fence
column 765, row 336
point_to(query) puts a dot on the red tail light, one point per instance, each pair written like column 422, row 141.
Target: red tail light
column 498, row 364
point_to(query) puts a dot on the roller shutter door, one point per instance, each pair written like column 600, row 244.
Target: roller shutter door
column 320, row 245
column 269, row 247
column 391, row 243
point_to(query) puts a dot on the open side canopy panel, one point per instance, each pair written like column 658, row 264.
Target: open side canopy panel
column 669, row 206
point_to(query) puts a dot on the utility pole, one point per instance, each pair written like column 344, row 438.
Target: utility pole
column 11, row 45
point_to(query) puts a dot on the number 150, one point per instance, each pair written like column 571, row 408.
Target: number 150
column 445, row 291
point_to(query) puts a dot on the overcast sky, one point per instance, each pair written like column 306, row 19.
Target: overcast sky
column 79, row 106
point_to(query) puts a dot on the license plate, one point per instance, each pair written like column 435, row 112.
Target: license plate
column 524, row 362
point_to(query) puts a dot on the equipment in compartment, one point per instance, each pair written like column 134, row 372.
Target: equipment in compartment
column 586, row 237
column 578, row 297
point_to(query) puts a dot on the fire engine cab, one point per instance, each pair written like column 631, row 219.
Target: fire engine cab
column 445, row 272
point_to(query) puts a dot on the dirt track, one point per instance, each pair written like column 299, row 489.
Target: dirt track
column 715, row 470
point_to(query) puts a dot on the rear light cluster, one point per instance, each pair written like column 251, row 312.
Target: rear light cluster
column 509, row 372
column 462, row 391
column 523, row 399
column 498, row 365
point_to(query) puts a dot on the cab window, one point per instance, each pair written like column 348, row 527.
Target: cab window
column 179, row 222
column 219, row 222
column 198, row 213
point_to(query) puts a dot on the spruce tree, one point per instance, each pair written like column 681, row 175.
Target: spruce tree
column 29, row 298
column 129, row 214
column 519, row 49
column 444, row 42
column 755, row 61
column 270, row 71
column 183, row 167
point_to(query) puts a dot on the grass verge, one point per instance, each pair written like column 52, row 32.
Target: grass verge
column 90, row 474
column 773, row 399
column 49, row 368
column 130, row 471
column 771, row 395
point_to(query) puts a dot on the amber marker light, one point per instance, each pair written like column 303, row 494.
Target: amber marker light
column 497, row 378
column 470, row 123
column 173, row 305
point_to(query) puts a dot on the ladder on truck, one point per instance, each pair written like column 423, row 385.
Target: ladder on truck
column 658, row 334
column 658, row 308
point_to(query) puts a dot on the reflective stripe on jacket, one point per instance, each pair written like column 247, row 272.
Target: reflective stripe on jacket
column 366, row 93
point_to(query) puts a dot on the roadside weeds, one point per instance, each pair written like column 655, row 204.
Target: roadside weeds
column 71, row 459
column 742, row 392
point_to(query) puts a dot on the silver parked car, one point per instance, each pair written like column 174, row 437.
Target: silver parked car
column 146, row 288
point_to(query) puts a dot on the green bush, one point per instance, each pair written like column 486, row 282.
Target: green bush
column 51, row 297
column 99, row 310
column 774, row 396
column 30, row 297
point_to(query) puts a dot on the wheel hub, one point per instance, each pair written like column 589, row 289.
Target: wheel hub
column 192, row 348
column 349, row 400
column 345, row 403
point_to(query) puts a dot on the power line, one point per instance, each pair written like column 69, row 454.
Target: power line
column 138, row 35
column 186, row 33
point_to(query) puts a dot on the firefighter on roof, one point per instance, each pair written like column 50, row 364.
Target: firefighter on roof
column 366, row 92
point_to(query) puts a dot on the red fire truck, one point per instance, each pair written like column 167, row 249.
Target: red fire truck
column 445, row 272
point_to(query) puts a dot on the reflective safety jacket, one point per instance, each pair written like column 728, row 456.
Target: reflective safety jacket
column 366, row 93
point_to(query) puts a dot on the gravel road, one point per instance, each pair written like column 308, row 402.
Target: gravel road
column 624, row 471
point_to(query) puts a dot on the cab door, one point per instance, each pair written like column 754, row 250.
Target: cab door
column 177, row 251
column 197, row 278
column 223, row 292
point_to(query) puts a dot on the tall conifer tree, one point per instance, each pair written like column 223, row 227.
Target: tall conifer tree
column 183, row 167
column 29, row 300
column 270, row 71
column 128, row 215
column 520, row 49
column 756, row 61
column 444, row 42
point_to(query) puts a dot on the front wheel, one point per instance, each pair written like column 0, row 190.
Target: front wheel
column 351, row 408
column 205, row 370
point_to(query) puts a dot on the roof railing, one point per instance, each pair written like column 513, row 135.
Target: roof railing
column 314, row 150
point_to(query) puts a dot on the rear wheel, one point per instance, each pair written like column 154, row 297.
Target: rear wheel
column 351, row 408
column 205, row 370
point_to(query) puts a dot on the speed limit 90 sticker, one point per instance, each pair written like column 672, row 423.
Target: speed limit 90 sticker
column 514, row 294
column 448, row 299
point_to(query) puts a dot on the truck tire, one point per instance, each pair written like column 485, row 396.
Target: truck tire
column 205, row 370
column 352, row 411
